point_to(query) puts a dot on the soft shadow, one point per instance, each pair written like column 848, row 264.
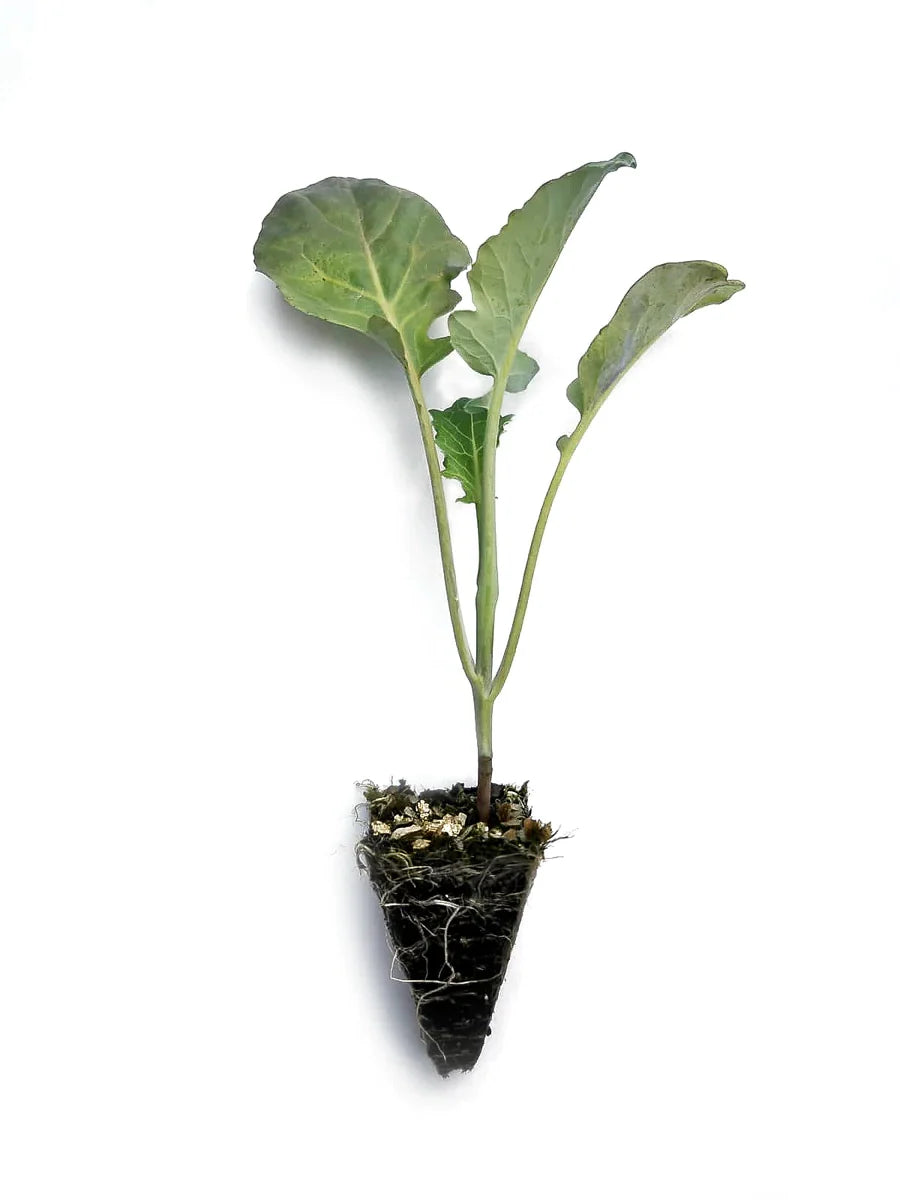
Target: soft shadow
column 377, row 374
column 380, row 380
column 392, row 1000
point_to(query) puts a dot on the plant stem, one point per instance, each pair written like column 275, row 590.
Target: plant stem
column 443, row 527
column 487, row 593
column 484, row 718
column 478, row 675
column 565, row 455
column 488, row 589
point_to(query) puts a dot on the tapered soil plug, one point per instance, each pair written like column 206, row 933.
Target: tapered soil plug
column 452, row 890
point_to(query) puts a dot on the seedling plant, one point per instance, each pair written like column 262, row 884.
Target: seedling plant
column 453, row 868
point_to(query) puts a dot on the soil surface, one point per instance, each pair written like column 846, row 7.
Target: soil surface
column 452, row 890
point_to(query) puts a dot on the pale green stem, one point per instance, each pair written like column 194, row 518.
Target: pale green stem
column 443, row 527
column 509, row 653
column 488, row 589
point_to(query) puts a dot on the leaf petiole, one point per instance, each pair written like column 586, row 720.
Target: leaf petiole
column 567, row 447
column 443, row 527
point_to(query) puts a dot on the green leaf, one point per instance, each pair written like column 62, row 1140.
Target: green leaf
column 361, row 253
column 511, row 269
column 459, row 432
column 649, row 308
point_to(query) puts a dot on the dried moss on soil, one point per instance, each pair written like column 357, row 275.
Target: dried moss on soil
column 452, row 890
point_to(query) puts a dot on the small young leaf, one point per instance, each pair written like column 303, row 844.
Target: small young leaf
column 512, row 267
column 459, row 432
column 465, row 331
column 649, row 308
column 361, row 253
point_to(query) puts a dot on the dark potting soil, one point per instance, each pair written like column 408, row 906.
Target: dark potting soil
column 452, row 890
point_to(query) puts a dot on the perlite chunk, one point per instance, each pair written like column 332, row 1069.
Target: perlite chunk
column 452, row 824
column 406, row 831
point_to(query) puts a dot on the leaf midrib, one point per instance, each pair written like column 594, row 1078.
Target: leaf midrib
column 380, row 297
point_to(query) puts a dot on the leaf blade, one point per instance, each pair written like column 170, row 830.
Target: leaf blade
column 460, row 434
column 367, row 255
column 512, row 267
column 650, row 307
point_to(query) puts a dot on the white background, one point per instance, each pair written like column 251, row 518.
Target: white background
column 222, row 606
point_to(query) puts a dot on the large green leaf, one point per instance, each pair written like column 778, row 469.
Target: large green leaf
column 362, row 253
column 512, row 267
column 649, row 308
column 459, row 432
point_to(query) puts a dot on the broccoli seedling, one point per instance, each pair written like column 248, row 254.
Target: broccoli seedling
column 380, row 259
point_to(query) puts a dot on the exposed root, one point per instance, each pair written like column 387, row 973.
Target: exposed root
column 452, row 890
